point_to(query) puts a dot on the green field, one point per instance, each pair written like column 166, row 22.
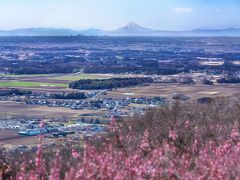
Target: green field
column 30, row 84
column 46, row 78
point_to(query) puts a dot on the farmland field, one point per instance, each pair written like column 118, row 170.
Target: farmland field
column 25, row 75
column 19, row 109
column 79, row 76
column 75, row 77
column 51, row 80
column 29, row 84
column 11, row 139
column 70, row 77
column 166, row 90
column 12, row 108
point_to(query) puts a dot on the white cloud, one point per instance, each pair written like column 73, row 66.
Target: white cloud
column 182, row 10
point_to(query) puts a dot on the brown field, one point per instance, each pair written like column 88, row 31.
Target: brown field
column 11, row 139
column 46, row 80
column 166, row 90
column 13, row 108
column 46, row 89
column 8, row 134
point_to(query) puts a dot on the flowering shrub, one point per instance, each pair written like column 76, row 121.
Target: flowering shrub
column 187, row 149
column 166, row 161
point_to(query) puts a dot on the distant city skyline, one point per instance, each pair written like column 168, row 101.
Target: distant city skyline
column 110, row 14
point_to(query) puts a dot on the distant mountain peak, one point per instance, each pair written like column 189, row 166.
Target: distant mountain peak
column 132, row 27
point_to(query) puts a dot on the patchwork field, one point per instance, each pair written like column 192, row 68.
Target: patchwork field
column 32, row 81
column 166, row 90
column 50, row 81
column 44, row 81
column 25, row 75
column 14, row 108
column 75, row 77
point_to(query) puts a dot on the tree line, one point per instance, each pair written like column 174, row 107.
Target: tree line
column 88, row 84
column 72, row 95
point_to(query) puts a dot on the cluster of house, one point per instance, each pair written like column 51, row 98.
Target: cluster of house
column 109, row 104
column 52, row 129
column 6, row 78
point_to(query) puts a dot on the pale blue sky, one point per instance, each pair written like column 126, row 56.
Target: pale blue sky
column 110, row 14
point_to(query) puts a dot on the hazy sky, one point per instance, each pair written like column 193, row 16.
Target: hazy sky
column 109, row 14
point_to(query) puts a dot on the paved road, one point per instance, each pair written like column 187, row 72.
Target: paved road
column 99, row 93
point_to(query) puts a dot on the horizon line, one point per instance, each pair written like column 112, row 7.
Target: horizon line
column 96, row 28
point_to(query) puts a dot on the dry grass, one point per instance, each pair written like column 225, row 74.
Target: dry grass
column 13, row 108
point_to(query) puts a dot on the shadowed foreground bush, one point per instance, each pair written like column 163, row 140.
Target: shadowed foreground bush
column 178, row 142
